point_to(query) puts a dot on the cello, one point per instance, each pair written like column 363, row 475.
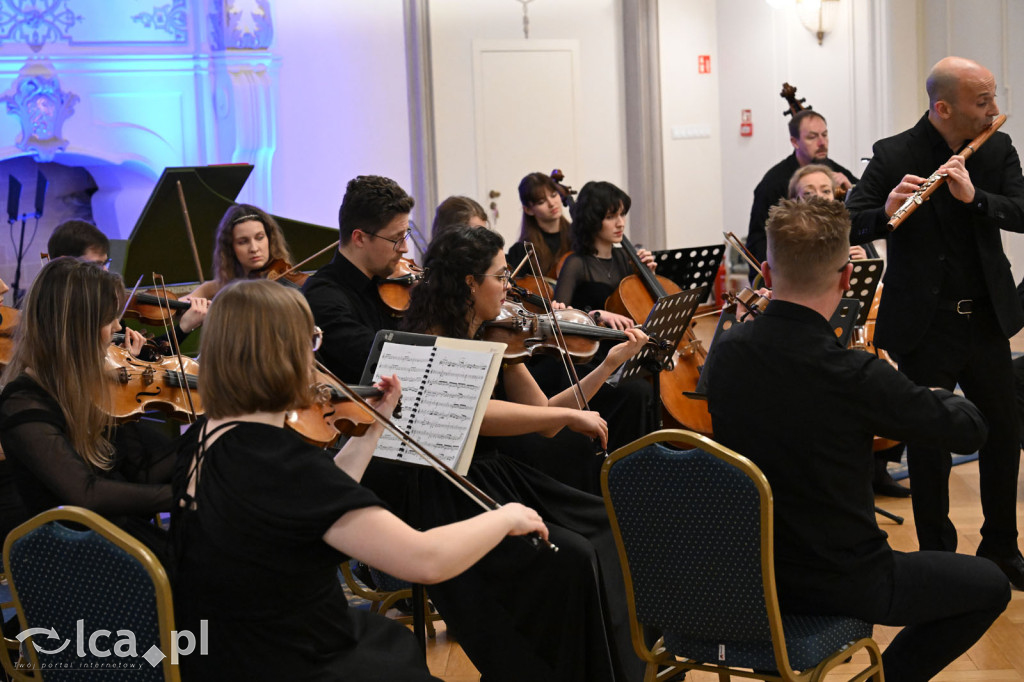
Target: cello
column 634, row 297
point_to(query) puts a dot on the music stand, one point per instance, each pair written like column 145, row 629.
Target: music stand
column 863, row 284
column 844, row 319
column 691, row 267
column 668, row 320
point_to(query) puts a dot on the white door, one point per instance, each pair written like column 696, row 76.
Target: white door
column 526, row 94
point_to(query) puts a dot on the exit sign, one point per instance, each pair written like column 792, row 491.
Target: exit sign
column 704, row 63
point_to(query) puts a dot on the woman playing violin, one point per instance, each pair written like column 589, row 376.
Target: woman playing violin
column 54, row 427
column 512, row 613
column 246, row 241
column 544, row 223
column 595, row 268
column 257, row 506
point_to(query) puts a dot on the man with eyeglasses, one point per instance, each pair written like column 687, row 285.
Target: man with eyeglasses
column 373, row 227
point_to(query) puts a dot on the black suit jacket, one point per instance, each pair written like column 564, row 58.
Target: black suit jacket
column 914, row 276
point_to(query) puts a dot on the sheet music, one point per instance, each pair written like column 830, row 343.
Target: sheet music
column 441, row 389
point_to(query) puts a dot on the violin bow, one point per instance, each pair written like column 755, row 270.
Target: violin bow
column 275, row 276
column 417, row 239
column 570, row 368
column 563, row 347
column 461, row 482
column 128, row 301
column 747, row 255
column 173, row 338
column 188, row 228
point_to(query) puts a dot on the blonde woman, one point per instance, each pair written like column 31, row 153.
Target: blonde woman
column 54, row 429
column 262, row 519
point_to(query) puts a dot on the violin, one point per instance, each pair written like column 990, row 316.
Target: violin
column 526, row 333
column 154, row 310
column 395, row 290
column 753, row 302
column 139, row 386
column 530, row 294
column 280, row 270
column 634, row 297
column 332, row 413
column 9, row 318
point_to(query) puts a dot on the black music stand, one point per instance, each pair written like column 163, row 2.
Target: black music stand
column 844, row 319
column 668, row 320
column 863, row 284
column 691, row 267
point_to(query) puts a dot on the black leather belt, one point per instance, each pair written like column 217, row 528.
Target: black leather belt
column 963, row 306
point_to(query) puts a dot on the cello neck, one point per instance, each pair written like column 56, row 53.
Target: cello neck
column 651, row 282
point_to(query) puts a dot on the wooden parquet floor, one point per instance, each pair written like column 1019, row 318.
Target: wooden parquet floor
column 998, row 656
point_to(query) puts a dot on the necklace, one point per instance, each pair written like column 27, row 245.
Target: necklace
column 609, row 267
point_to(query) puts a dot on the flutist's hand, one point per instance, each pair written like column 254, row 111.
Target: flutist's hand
column 903, row 191
column 958, row 179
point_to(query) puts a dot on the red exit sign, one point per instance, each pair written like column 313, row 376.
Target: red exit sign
column 704, row 63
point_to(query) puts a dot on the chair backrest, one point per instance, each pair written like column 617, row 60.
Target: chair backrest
column 74, row 582
column 695, row 529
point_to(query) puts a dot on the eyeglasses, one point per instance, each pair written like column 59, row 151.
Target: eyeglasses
column 318, row 338
column 396, row 243
column 848, row 261
column 505, row 276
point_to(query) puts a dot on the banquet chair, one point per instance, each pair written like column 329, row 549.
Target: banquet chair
column 388, row 591
column 74, row 574
column 694, row 534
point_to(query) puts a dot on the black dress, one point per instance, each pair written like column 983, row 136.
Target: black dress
column 47, row 471
column 523, row 613
column 252, row 563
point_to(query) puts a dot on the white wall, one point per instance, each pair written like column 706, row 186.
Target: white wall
column 983, row 30
column 692, row 166
column 596, row 24
column 760, row 49
column 343, row 107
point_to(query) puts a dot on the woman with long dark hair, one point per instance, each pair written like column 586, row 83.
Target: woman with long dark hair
column 596, row 267
column 519, row 614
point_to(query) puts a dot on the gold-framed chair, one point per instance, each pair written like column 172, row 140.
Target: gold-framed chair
column 392, row 590
column 695, row 538
column 75, row 582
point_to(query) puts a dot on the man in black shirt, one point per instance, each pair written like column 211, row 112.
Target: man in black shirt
column 374, row 226
column 949, row 306
column 808, row 134
column 811, row 435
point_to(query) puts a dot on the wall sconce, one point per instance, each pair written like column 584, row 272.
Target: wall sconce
column 818, row 16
